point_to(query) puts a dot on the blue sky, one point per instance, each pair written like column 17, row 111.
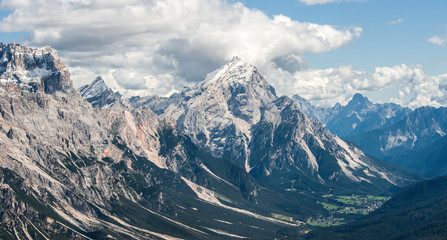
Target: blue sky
column 381, row 43
column 391, row 51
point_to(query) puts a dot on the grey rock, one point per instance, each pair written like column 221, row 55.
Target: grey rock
column 235, row 113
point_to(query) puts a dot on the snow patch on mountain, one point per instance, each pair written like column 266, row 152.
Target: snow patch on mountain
column 397, row 140
column 33, row 69
column 101, row 96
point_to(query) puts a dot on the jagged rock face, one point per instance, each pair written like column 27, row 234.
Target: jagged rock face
column 33, row 69
column 219, row 112
column 137, row 128
column 76, row 171
column 358, row 116
column 20, row 220
column 119, row 172
column 58, row 147
column 288, row 141
column 99, row 95
column 418, row 130
column 361, row 115
column 74, row 167
column 236, row 114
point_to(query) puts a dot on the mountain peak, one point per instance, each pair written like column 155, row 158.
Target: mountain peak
column 358, row 101
column 99, row 80
column 359, row 97
column 236, row 71
column 95, row 88
column 99, row 94
column 235, row 59
column 33, row 69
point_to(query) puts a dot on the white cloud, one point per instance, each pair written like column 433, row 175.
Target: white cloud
column 436, row 40
column 412, row 87
column 397, row 21
column 135, row 44
column 315, row 2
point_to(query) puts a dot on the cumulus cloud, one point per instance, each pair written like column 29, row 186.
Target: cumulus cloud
column 437, row 40
column 136, row 44
column 324, row 87
column 397, row 21
column 290, row 63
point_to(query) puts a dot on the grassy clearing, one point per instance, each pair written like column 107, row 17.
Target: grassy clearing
column 350, row 210
column 348, row 200
column 325, row 222
column 329, row 206
column 344, row 206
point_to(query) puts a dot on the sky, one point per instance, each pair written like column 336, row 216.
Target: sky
column 323, row 50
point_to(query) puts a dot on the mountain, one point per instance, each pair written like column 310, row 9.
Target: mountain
column 412, row 139
column 99, row 95
column 361, row 115
column 410, row 142
column 323, row 115
column 418, row 212
column 358, row 116
column 428, row 160
column 33, row 70
column 71, row 171
column 234, row 113
column 227, row 159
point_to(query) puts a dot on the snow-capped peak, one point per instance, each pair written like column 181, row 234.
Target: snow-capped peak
column 235, row 113
column 33, row 69
column 237, row 71
column 96, row 88
column 236, row 79
column 99, row 94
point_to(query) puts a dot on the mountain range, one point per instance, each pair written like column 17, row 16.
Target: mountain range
column 413, row 139
column 360, row 115
column 225, row 159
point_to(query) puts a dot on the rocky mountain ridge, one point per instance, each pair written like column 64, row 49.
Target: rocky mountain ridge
column 322, row 114
column 33, row 69
column 358, row 116
column 361, row 115
column 71, row 170
column 234, row 113
column 412, row 139
column 101, row 96
column 415, row 134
